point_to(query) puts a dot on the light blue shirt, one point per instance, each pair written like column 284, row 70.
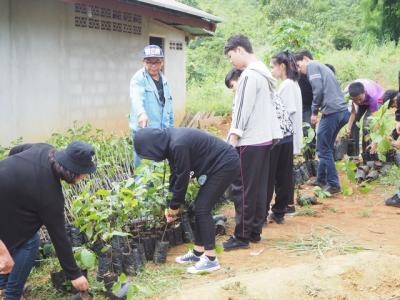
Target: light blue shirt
column 144, row 98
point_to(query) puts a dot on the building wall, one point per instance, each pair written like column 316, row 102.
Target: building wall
column 53, row 73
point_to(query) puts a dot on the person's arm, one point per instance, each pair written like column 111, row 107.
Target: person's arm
column 52, row 216
column 351, row 119
column 244, row 104
column 6, row 261
column 137, row 94
column 315, row 78
column 181, row 158
column 19, row 149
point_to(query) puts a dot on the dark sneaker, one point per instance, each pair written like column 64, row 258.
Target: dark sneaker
column 255, row 238
column 290, row 209
column 315, row 182
column 393, row 201
column 278, row 220
column 332, row 189
column 233, row 243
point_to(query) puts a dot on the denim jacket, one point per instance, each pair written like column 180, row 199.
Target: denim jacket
column 144, row 98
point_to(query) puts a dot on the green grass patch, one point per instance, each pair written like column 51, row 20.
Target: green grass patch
column 320, row 241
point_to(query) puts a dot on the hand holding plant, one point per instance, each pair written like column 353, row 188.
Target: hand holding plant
column 171, row 214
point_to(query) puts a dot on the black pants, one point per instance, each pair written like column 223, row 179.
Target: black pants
column 280, row 178
column 249, row 191
column 208, row 195
column 363, row 112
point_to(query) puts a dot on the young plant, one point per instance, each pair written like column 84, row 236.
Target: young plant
column 320, row 193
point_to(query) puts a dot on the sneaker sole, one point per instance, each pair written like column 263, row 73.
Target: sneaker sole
column 204, row 271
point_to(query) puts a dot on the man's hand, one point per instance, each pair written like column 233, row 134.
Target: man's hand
column 233, row 139
column 171, row 214
column 143, row 120
column 6, row 261
column 398, row 127
column 314, row 119
column 81, row 283
column 396, row 144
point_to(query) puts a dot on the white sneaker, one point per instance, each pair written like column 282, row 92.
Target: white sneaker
column 204, row 265
column 189, row 257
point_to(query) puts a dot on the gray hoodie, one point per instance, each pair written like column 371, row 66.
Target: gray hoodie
column 254, row 118
column 327, row 95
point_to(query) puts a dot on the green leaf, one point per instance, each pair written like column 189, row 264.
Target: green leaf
column 88, row 258
column 219, row 249
column 132, row 290
column 365, row 188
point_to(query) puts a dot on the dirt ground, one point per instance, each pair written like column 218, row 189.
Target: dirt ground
column 350, row 249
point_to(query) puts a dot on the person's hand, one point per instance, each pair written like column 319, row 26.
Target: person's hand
column 80, row 283
column 372, row 148
column 6, row 261
column 398, row 127
column 314, row 119
column 143, row 120
column 171, row 214
column 233, row 139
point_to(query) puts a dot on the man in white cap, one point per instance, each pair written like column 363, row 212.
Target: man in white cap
column 150, row 95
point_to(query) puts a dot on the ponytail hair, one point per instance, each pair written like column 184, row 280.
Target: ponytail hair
column 287, row 58
column 59, row 171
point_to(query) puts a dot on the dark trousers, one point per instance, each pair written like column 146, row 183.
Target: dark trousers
column 24, row 256
column 280, row 178
column 328, row 128
column 309, row 154
column 249, row 191
column 363, row 112
column 208, row 195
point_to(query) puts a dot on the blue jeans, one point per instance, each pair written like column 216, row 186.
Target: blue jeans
column 24, row 256
column 328, row 128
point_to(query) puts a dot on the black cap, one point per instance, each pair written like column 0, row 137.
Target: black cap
column 77, row 158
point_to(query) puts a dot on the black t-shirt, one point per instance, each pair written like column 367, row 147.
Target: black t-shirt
column 306, row 92
column 160, row 89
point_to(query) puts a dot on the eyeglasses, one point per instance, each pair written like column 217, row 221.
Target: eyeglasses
column 153, row 63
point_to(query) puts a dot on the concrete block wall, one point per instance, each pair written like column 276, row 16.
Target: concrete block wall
column 53, row 73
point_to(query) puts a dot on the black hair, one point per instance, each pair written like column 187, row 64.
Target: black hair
column 233, row 74
column 287, row 58
column 331, row 67
column 303, row 53
column 356, row 89
column 389, row 95
column 238, row 40
column 59, row 171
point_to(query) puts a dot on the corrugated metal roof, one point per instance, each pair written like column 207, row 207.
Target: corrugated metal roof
column 177, row 6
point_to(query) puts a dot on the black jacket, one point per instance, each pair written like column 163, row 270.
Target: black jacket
column 187, row 150
column 398, row 108
column 31, row 196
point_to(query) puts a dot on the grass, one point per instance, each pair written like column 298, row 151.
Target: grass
column 330, row 209
column 235, row 286
column 306, row 210
column 325, row 239
column 365, row 213
column 152, row 281
column 392, row 177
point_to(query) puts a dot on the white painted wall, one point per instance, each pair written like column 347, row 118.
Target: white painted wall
column 53, row 73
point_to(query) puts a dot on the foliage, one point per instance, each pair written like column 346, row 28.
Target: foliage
column 320, row 193
column 85, row 258
column 308, row 137
column 380, row 127
column 349, row 168
column 293, row 35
